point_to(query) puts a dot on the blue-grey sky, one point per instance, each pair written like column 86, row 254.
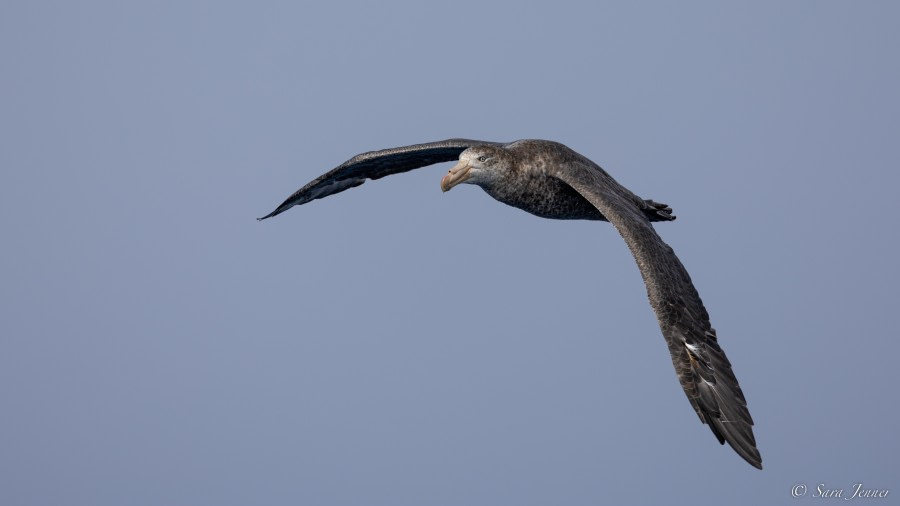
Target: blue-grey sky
column 393, row 345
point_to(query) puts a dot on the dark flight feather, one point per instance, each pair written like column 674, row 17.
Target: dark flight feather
column 376, row 165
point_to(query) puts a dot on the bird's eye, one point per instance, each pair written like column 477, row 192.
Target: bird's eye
column 482, row 158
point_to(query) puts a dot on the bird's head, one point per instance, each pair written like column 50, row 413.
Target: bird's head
column 481, row 165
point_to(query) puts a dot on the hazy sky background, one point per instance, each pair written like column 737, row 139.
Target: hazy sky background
column 393, row 345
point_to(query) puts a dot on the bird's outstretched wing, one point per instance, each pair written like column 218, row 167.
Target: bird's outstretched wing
column 702, row 367
column 375, row 165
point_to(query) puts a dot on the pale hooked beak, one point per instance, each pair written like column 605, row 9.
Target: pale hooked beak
column 458, row 174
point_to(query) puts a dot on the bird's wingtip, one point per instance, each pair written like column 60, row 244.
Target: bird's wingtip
column 278, row 210
column 273, row 213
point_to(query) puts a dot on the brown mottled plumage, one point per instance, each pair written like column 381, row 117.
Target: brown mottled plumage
column 550, row 180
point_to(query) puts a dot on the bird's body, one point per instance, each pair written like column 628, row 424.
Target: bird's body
column 550, row 180
column 532, row 186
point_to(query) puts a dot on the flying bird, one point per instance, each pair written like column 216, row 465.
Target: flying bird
column 550, row 180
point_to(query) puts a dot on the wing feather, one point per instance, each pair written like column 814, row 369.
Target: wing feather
column 376, row 165
column 700, row 364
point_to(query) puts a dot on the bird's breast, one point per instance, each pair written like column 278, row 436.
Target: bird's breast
column 545, row 196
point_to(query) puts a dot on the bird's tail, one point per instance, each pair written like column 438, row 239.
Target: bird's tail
column 657, row 212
